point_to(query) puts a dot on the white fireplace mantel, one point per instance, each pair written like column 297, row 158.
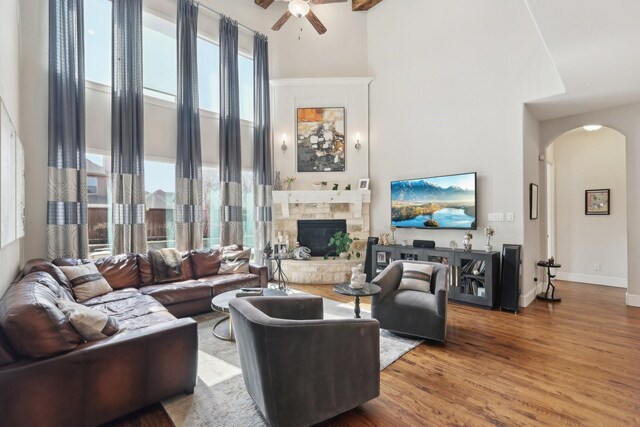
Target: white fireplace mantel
column 355, row 197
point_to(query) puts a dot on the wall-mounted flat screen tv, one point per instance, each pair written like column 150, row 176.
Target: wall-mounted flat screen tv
column 439, row 202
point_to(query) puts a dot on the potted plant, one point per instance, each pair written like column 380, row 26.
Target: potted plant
column 342, row 242
column 289, row 180
column 488, row 232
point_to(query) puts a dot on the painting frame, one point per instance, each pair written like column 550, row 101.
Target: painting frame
column 597, row 202
column 533, row 201
column 381, row 257
column 321, row 144
column 363, row 184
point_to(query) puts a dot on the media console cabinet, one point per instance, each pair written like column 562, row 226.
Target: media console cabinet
column 474, row 276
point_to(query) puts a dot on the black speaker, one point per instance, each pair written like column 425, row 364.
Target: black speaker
column 424, row 244
column 510, row 278
column 368, row 261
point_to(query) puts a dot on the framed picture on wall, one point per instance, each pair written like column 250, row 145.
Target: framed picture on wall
column 596, row 202
column 320, row 143
column 533, row 201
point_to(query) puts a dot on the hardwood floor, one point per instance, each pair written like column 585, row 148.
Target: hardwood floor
column 576, row 362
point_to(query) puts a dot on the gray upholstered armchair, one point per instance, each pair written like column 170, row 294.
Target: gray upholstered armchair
column 299, row 368
column 409, row 312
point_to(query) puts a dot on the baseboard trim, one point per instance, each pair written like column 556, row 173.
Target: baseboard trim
column 633, row 300
column 616, row 282
column 529, row 297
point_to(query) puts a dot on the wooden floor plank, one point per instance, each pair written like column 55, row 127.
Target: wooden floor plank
column 576, row 362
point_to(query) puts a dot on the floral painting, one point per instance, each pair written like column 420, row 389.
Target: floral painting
column 596, row 202
column 320, row 140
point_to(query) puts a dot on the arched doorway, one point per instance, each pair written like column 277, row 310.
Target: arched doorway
column 590, row 245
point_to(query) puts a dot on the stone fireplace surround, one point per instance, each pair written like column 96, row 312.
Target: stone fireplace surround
column 350, row 205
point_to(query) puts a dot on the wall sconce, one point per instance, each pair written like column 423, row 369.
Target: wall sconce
column 358, row 145
column 283, row 147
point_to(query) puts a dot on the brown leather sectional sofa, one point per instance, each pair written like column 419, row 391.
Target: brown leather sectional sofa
column 50, row 377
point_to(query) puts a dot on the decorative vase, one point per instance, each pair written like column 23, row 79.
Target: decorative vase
column 288, row 186
column 488, row 248
column 277, row 183
column 343, row 255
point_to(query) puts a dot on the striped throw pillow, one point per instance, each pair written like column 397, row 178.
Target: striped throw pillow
column 416, row 277
column 86, row 280
column 90, row 323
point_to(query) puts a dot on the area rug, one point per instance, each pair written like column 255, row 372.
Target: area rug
column 220, row 397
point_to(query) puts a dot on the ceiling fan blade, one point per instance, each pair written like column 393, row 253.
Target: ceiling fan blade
column 315, row 22
column 264, row 3
column 284, row 18
column 363, row 5
column 327, row 1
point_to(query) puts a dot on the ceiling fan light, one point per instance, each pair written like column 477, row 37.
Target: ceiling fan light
column 299, row 8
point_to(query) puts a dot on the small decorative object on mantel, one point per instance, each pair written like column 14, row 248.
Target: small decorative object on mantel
column 348, row 187
column 358, row 278
column 466, row 241
column 302, row 253
column 363, row 184
column 277, row 183
column 335, row 187
column 488, row 232
column 453, row 245
column 289, row 180
column 324, row 185
column 316, row 185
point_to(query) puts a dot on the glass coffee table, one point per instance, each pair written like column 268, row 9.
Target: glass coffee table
column 367, row 290
column 220, row 303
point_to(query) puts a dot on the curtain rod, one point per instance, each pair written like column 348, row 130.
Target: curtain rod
column 200, row 5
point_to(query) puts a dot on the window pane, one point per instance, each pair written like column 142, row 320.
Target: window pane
column 98, row 179
column 159, row 55
column 245, row 75
column 247, row 209
column 160, row 183
column 97, row 39
column 209, row 75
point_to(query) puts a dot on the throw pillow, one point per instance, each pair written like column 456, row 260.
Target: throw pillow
column 206, row 262
column 86, row 280
column 416, row 277
column 90, row 323
column 167, row 264
column 235, row 261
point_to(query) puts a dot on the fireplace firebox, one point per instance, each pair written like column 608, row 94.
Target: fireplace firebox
column 315, row 234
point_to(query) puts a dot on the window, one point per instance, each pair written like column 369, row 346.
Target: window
column 92, row 185
column 159, row 59
column 98, row 178
column 160, row 184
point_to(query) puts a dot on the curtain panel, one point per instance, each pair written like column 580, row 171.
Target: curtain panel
column 230, row 157
column 189, row 201
column 127, row 130
column 262, row 154
column 67, row 229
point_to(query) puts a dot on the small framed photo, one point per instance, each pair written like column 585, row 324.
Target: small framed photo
column 381, row 257
column 363, row 184
column 596, row 202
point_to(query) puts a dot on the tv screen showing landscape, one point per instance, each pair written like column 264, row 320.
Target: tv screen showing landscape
column 438, row 202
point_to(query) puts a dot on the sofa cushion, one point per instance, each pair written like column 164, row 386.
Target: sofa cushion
column 206, row 262
column 416, row 277
column 229, row 282
column 127, row 306
column 145, row 269
column 91, row 324
column 40, row 264
column 176, row 292
column 121, row 271
column 31, row 319
column 87, row 282
column 235, row 261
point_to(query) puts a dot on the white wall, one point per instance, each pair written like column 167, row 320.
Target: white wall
column 625, row 120
column 353, row 94
column 450, row 80
column 10, row 256
column 591, row 160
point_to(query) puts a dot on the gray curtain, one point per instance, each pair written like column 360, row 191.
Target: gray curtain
column 188, row 213
column 230, row 160
column 127, row 130
column 262, row 178
column 67, row 231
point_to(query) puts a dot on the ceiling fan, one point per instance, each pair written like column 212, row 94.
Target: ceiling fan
column 299, row 8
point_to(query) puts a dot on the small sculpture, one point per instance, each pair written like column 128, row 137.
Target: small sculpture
column 466, row 241
column 384, row 239
column 335, row 187
column 453, row 244
column 358, row 278
column 301, row 253
column 277, row 183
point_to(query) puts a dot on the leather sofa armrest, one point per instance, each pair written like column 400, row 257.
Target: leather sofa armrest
column 262, row 271
column 388, row 280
